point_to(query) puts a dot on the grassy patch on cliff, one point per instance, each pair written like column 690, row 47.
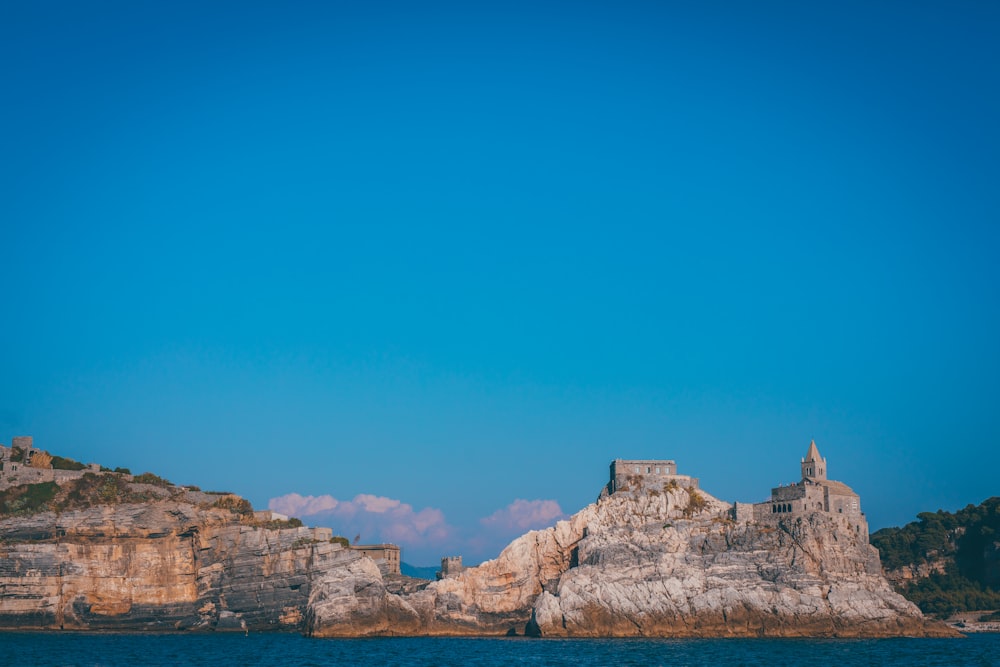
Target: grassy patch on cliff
column 63, row 463
column 234, row 503
column 89, row 490
column 966, row 542
column 28, row 498
column 150, row 478
column 696, row 503
column 106, row 489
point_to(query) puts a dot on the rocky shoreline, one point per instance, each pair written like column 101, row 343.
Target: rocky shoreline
column 971, row 621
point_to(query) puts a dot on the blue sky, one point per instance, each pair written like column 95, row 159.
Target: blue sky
column 422, row 270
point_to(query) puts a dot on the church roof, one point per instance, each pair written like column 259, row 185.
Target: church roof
column 838, row 488
column 813, row 453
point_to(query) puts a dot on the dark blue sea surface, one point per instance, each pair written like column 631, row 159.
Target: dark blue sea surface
column 290, row 650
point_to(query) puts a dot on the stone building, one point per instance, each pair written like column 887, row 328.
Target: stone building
column 16, row 465
column 386, row 556
column 451, row 566
column 646, row 470
column 814, row 493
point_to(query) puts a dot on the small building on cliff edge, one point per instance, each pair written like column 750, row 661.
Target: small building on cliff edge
column 23, row 463
column 386, row 556
column 639, row 472
column 451, row 566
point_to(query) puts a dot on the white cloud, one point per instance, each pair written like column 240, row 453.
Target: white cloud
column 293, row 504
column 373, row 519
column 424, row 534
column 378, row 504
column 525, row 515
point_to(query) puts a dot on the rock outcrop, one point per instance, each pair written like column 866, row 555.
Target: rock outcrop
column 162, row 564
column 652, row 562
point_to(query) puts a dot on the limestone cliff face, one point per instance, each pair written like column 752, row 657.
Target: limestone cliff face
column 486, row 600
column 661, row 562
column 706, row 576
column 157, row 565
column 653, row 562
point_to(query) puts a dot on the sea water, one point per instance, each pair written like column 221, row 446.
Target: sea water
column 291, row 650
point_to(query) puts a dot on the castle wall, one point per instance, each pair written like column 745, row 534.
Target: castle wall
column 811, row 495
column 743, row 512
column 15, row 473
column 646, row 470
column 844, row 504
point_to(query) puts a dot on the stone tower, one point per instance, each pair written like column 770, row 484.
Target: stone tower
column 813, row 465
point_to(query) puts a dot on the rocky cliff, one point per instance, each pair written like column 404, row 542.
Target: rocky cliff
column 661, row 561
column 653, row 562
column 166, row 563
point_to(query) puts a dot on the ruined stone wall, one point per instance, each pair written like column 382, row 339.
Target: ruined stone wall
column 14, row 474
column 743, row 512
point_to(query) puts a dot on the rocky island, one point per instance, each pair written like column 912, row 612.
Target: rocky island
column 655, row 556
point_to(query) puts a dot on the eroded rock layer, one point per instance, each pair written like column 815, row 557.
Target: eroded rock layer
column 157, row 565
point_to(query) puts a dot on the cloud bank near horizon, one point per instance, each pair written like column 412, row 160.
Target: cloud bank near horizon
column 424, row 534
column 525, row 515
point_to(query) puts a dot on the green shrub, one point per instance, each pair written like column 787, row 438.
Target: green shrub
column 123, row 471
column 341, row 540
column 150, row 478
column 61, row 463
column 28, row 498
column 234, row 503
column 93, row 489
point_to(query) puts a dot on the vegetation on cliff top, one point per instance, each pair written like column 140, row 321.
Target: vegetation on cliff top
column 62, row 463
column 966, row 544
column 28, row 498
column 88, row 490
column 92, row 489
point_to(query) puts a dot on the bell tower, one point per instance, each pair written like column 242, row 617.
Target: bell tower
column 813, row 465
